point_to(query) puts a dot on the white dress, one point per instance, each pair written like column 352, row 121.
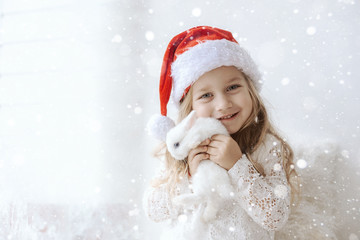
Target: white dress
column 260, row 206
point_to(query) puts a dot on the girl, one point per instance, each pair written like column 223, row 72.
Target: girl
column 206, row 70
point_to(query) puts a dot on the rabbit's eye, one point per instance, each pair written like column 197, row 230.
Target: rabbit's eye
column 176, row 145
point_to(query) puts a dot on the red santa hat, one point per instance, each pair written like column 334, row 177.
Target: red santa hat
column 188, row 56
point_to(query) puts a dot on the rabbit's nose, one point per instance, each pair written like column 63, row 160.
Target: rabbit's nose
column 176, row 145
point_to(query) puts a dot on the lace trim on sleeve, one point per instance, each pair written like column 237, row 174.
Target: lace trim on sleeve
column 157, row 204
column 265, row 198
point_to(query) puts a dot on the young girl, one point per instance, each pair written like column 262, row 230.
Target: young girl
column 206, row 70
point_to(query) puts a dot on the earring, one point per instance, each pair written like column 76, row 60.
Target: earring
column 256, row 119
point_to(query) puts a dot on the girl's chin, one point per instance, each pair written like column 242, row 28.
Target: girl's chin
column 232, row 131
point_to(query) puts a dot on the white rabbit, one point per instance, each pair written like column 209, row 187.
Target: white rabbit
column 211, row 183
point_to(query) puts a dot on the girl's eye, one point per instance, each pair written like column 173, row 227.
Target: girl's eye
column 206, row 95
column 232, row 87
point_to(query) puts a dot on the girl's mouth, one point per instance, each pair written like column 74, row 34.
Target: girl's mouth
column 228, row 117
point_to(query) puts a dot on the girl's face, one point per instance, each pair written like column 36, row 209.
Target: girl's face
column 223, row 93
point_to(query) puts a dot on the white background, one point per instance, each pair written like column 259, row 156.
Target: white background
column 79, row 80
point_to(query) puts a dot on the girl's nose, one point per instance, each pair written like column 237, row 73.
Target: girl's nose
column 223, row 102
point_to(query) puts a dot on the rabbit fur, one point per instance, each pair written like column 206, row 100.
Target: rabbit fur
column 211, row 183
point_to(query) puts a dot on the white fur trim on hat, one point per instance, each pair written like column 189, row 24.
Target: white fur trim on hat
column 206, row 56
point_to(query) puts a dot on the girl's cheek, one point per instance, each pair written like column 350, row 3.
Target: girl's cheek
column 202, row 111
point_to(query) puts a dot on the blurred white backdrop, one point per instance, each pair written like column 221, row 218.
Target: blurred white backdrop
column 79, row 80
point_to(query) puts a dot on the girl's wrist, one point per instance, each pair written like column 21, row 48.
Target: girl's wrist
column 236, row 160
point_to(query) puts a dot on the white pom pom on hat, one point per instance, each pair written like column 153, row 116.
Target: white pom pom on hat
column 188, row 56
column 159, row 125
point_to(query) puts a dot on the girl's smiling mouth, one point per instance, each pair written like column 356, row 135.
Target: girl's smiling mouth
column 228, row 117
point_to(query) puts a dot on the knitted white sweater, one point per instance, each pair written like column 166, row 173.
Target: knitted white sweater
column 259, row 207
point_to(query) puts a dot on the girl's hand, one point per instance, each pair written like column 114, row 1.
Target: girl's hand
column 198, row 154
column 224, row 151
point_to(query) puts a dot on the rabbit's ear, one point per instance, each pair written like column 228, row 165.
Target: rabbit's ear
column 190, row 120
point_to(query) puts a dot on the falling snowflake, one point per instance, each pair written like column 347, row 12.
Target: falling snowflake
column 116, row 39
column 134, row 212
column 345, row 153
column 277, row 167
column 196, row 12
column 281, row 191
column 301, row 163
column 311, row 30
column 137, row 110
column 285, row 81
column 149, row 35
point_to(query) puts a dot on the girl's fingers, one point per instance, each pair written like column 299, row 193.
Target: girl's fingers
column 215, row 143
column 201, row 156
column 211, row 150
column 196, row 151
column 205, row 142
column 194, row 163
column 218, row 137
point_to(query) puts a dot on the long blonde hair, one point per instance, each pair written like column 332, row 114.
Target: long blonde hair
column 249, row 137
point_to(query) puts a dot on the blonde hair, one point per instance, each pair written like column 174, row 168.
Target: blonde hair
column 249, row 138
